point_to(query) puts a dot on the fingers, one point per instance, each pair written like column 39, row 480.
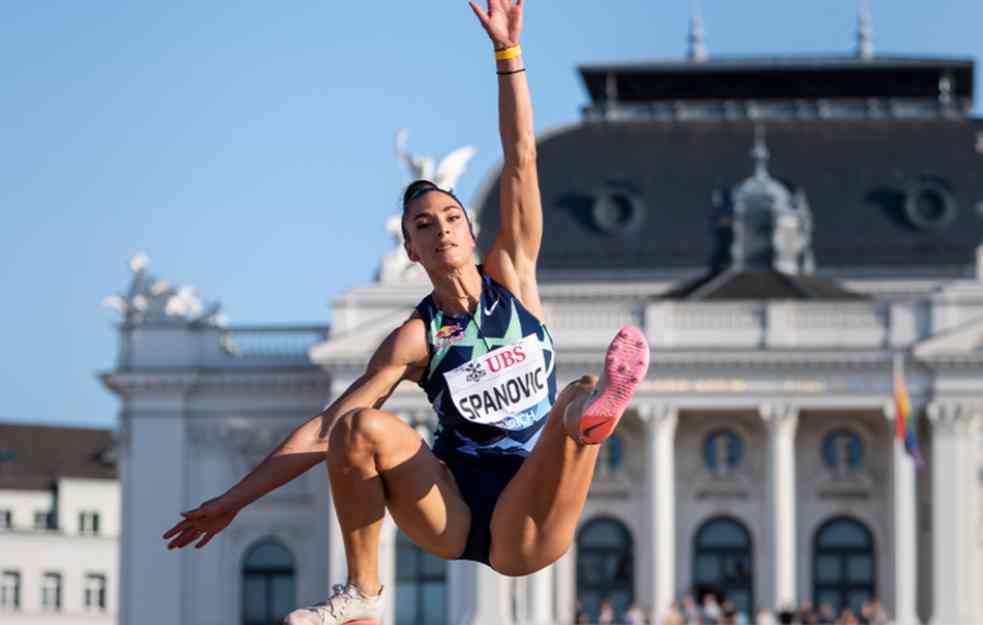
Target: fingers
column 207, row 539
column 482, row 16
column 189, row 535
column 180, row 527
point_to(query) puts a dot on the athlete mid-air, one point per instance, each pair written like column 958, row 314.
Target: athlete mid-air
column 512, row 460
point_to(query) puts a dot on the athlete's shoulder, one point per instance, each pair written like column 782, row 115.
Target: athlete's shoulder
column 405, row 346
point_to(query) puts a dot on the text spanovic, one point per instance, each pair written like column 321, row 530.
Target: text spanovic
column 500, row 384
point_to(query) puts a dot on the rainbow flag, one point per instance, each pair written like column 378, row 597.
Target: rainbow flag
column 905, row 420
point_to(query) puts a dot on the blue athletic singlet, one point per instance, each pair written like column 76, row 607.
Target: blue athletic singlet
column 491, row 376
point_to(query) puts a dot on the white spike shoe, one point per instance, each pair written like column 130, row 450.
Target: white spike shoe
column 345, row 606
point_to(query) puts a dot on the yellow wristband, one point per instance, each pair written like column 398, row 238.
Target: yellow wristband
column 508, row 53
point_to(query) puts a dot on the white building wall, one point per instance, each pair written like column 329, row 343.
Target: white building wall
column 156, row 479
column 33, row 553
column 23, row 504
column 77, row 495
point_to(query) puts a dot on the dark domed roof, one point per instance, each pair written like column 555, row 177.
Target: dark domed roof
column 886, row 195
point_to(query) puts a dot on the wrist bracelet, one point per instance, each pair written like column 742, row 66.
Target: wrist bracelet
column 509, row 72
column 508, row 53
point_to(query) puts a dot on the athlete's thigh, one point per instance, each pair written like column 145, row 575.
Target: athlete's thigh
column 421, row 493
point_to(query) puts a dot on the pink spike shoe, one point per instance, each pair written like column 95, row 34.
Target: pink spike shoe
column 625, row 366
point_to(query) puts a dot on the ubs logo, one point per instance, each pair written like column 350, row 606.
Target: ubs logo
column 475, row 372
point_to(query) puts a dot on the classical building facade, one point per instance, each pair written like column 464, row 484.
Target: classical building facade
column 790, row 233
column 59, row 526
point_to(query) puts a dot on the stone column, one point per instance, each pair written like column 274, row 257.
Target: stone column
column 337, row 564
column 565, row 584
column 660, row 501
column 905, row 532
column 955, row 513
column 782, row 422
column 539, row 598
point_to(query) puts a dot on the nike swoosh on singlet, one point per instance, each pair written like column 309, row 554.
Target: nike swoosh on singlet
column 489, row 311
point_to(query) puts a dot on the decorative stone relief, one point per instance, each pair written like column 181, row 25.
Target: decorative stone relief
column 780, row 418
column 150, row 300
column 247, row 443
column 658, row 415
column 953, row 418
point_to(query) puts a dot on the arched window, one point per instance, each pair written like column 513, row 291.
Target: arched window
column 267, row 584
column 723, row 563
column 421, row 585
column 844, row 565
column 843, row 451
column 605, row 566
column 722, row 451
column 611, row 459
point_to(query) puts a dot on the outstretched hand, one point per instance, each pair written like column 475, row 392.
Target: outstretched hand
column 502, row 21
column 203, row 523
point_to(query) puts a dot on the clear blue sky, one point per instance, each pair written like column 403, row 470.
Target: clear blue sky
column 247, row 147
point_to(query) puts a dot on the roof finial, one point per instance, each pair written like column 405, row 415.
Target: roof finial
column 697, row 45
column 760, row 153
column 865, row 31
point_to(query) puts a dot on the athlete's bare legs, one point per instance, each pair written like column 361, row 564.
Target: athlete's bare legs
column 536, row 517
column 375, row 460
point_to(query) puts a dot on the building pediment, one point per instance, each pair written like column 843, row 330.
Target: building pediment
column 964, row 341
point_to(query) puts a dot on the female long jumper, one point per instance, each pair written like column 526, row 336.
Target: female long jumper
column 511, row 463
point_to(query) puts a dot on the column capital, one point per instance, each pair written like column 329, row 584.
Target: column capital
column 955, row 417
column 658, row 415
column 779, row 415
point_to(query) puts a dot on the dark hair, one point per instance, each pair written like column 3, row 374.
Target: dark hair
column 419, row 188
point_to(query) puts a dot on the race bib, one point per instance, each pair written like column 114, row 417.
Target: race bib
column 501, row 384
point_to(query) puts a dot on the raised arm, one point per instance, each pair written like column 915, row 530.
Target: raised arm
column 401, row 356
column 512, row 257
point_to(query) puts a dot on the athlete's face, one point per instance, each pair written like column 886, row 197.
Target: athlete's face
column 439, row 232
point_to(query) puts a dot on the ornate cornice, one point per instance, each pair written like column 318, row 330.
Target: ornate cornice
column 128, row 383
column 955, row 417
column 248, row 437
column 658, row 416
column 804, row 358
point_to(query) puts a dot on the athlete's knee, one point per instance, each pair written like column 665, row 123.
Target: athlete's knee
column 513, row 562
column 356, row 432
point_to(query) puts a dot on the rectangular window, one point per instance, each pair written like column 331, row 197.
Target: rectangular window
column 44, row 520
column 10, row 590
column 94, row 591
column 6, row 519
column 88, row 522
column 51, row 592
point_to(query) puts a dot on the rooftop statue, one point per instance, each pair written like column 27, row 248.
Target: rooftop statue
column 151, row 300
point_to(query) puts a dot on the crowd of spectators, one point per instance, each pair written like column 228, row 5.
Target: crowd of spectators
column 712, row 612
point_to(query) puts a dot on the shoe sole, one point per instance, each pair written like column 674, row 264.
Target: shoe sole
column 625, row 366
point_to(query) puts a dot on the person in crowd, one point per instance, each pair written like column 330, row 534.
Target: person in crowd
column 711, row 609
column 605, row 614
column 764, row 617
column 672, row 615
column 691, row 611
column 847, row 617
column 634, row 615
column 806, row 612
column 580, row 614
column 826, row 614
